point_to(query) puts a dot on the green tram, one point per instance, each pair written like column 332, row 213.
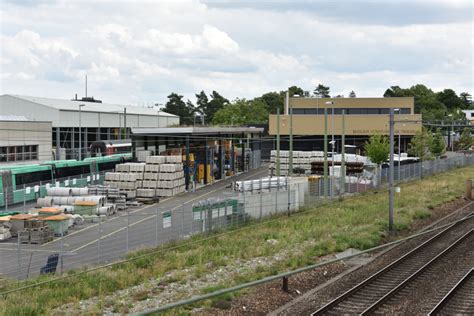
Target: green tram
column 22, row 183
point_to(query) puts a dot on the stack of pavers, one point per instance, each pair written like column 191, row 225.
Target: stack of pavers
column 301, row 161
column 36, row 230
column 127, row 177
column 113, row 195
column 163, row 177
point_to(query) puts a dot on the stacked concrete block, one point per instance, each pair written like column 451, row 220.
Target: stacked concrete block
column 301, row 160
column 146, row 193
column 143, row 154
column 127, row 177
column 165, row 174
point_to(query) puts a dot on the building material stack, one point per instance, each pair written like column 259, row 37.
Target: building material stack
column 161, row 176
column 127, row 177
column 164, row 175
column 301, row 161
column 113, row 195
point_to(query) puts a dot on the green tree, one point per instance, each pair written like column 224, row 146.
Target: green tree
column 466, row 99
column 295, row 90
column 321, row 91
column 437, row 145
column 450, row 99
column 465, row 140
column 420, row 144
column 242, row 112
column 272, row 101
column 177, row 106
column 352, row 94
column 377, row 148
column 426, row 101
column 216, row 103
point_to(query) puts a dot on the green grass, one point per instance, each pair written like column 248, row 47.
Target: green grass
column 356, row 222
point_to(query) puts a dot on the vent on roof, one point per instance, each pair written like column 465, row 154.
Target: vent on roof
column 88, row 99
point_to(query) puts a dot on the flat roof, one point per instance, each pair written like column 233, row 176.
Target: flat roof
column 195, row 130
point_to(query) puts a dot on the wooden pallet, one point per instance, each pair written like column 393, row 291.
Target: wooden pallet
column 148, row 200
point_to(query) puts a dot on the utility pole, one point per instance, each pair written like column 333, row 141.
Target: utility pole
column 325, row 164
column 80, row 130
column 125, row 121
column 343, row 158
column 278, row 144
column 390, row 175
column 290, row 158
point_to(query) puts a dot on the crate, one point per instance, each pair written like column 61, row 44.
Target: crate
column 24, row 236
column 42, row 236
column 34, row 223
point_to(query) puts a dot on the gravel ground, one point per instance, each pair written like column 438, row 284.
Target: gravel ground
column 421, row 295
column 337, row 288
column 266, row 298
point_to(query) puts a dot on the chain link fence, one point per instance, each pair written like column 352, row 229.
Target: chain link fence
column 235, row 204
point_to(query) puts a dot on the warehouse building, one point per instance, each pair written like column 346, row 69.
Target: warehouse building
column 213, row 152
column 363, row 117
column 23, row 141
column 97, row 121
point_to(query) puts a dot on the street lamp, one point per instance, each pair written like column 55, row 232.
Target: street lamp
column 399, row 144
column 332, row 142
column 451, row 136
column 80, row 131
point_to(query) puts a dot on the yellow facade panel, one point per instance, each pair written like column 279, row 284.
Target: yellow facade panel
column 354, row 124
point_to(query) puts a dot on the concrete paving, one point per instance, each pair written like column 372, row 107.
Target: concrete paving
column 106, row 242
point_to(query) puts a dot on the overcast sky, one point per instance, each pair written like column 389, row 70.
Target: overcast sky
column 137, row 52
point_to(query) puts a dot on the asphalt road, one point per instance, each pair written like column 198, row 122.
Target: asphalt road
column 97, row 243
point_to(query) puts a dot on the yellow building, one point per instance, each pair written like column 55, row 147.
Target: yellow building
column 363, row 117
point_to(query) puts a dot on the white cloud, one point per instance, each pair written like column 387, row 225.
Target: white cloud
column 143, row 51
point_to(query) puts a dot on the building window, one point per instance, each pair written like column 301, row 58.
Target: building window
column 18, row 153
column 349, row 111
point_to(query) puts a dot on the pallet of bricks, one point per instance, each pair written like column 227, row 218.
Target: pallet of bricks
column 301, row 161
column 127, row 178
column 163, row 177
column 36, row 232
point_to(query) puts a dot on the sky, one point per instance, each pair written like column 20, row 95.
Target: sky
column 138, row 52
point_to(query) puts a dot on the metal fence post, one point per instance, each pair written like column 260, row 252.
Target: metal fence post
column 156, row 225
column 98, row 240
column 19, row 254
column 128, row 227
column 243, row 192
column 61, row 248
column 288, row 190
column 276, row 194
column 261, row 198
column 182, row 220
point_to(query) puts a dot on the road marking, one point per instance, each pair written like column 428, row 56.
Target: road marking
column 31, row 250
column 152, row 216
column 95, row 225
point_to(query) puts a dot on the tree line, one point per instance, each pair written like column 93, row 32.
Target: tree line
column 215, row 109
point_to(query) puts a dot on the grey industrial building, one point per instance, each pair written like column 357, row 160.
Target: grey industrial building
column 23, row 141
column 96, row 120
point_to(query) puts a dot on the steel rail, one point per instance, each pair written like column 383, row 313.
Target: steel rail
column 421, row 270
column 351, row 291
column 452, row 293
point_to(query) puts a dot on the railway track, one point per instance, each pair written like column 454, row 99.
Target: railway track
column 459, row 300
column 369, row 295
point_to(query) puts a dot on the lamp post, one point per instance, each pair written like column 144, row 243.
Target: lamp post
column 390, row 175
column 451, row 135
column 399, row 145
column 80, row 131
column 333, row 142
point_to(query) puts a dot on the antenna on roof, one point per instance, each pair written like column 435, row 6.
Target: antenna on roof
column 86, row 86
